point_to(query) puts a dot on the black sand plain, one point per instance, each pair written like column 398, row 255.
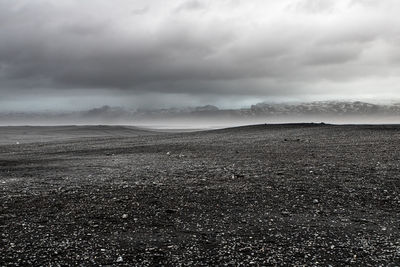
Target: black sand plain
column 300, row 194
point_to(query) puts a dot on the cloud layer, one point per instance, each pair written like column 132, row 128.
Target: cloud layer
column 197, row 51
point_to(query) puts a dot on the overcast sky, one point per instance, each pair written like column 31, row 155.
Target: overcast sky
column 74, row 54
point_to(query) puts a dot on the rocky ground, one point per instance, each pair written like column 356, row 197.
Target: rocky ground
column 260, row 195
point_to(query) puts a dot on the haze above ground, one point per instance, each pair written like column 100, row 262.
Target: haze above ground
column 209, row 116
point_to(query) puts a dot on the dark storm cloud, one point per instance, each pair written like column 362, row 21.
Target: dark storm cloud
column 221, row 48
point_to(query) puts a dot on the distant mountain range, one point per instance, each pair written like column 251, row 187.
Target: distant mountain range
column 264, row 110
column 326, row 108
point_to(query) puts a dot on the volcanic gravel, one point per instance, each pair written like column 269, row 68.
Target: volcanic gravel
column 303, row 194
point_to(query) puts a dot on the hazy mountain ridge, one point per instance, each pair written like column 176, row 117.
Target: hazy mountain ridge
column 285, row 109
column 326, row 107
column 263, row 110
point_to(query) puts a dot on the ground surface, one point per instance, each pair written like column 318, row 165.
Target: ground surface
column 261, row 195
column 30, row 134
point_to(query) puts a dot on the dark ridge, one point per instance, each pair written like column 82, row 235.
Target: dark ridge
column 271, row 126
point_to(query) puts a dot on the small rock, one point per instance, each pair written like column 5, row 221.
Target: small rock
column 168, row 153
column 120, row 259
column 124, row 216
column 315, row 201
column 170, row 211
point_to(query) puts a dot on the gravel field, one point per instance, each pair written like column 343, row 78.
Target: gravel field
column 300, row 194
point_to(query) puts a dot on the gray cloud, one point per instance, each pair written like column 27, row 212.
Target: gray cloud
column 200, row 49
column 191, row 5
column 313, row 6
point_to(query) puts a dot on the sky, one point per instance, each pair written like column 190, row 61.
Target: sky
column 73, row 55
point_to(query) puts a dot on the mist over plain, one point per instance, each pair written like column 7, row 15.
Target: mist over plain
column 209, row 116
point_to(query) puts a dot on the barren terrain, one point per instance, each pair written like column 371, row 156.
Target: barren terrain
column 259, row 195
